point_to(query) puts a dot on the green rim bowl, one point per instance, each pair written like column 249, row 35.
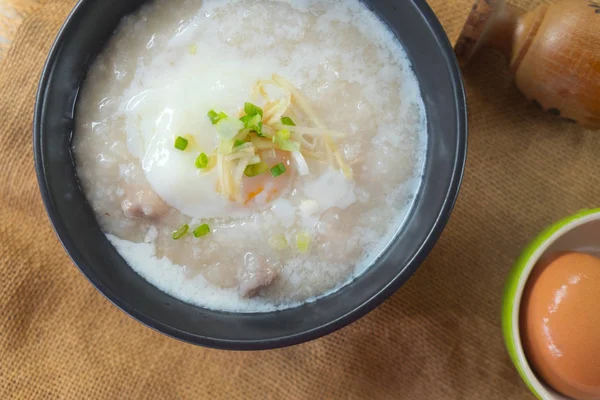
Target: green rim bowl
column 578, row 232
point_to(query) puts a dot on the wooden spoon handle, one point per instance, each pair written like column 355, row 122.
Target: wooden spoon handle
column 473, row 35
column 553, row 51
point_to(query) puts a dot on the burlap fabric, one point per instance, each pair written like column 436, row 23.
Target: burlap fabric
column 438, row 338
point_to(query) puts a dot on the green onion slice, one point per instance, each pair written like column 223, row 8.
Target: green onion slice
column 289, row 145
column 182, row 230
column 202, row 161
column 201, row 230
column 181, row 143
column 238, row 143
column 287, row 121
column 251, row 109
column 246, row 118
column 216, row 117
column 254, row 120
column 228, row 128
column 302, row 241
column 258, row 129
column 281, row 135
column 256, row 169
column 278, row 170
column 281, row 139
column 278, row 242
column 253, row 123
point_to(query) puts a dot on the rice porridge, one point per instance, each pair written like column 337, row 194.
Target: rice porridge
column 248, row 156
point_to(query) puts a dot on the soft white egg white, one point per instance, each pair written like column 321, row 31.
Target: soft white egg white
column 176, row 105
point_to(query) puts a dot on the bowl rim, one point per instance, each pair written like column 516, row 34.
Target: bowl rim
column 513, row 295
column 371, row 303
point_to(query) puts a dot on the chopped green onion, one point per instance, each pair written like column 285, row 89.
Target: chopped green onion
column 181, row 143
column 278, row 170
column 258, row 129
column 278, row 242
column 182, row 230
column 256, row 169
column 245, row 147
column 302, row 241
column 251, row 109
column 289, row 145
column 287, row 121
column 253, row 122
column 202, row 161
column 228, row 128
column 281, row 139
column 238, row 143
column 281, row 135
column 226, row 146
column 246, row 118
column 214, row 117
column 201, row 230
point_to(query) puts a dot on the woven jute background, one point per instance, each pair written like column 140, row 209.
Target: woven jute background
column 437, row 338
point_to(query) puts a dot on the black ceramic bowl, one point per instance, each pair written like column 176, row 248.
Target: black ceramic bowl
column 82, row 37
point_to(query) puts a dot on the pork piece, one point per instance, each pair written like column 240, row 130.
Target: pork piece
column 255, row 276
column 143, row 203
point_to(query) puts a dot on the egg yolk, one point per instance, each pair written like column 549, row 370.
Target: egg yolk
column 264, row 188
column 560, row 324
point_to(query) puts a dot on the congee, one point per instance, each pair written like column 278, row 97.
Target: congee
column 247, row 155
